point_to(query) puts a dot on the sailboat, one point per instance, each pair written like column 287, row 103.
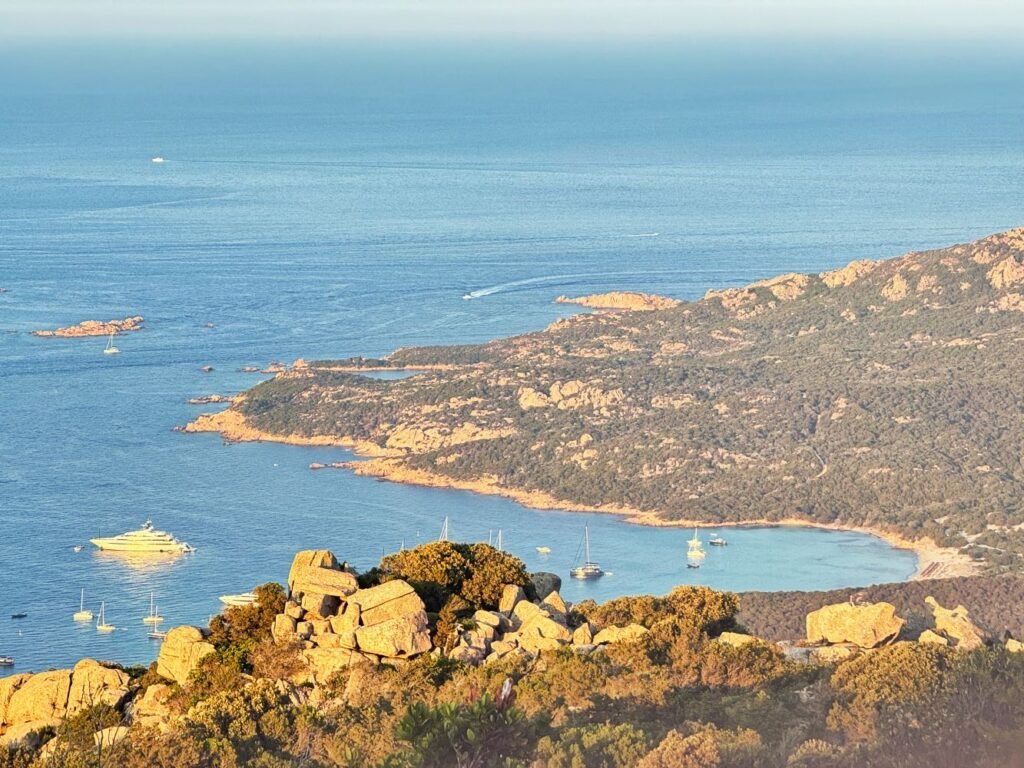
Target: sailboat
column 111, row 349
column 589, row 570
column 101, row 624
column 153, row 617
column 695, row 551
column 444, row 530
column 82, row 614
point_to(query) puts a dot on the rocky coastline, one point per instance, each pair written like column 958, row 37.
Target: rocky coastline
column 628, row 301
column 933, row 561
column 95, row 328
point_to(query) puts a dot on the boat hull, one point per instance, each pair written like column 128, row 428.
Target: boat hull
column 113, row 545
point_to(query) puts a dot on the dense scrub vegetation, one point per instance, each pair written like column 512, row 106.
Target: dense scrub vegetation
column 675, row 697
column 994, row 602
column 887, row 394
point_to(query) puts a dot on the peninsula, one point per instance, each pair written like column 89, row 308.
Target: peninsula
column 883, row 396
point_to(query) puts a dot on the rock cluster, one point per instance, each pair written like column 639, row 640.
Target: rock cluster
column 340, row 624
column 29, row 703
column 527, row 629
column 96, row 328
column 865, row 626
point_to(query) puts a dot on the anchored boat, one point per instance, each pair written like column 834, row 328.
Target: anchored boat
column 696, row 550
column 589, row 569
column 83, row 613
column 144, row 540
column 246, row 598
column 101, row 623
column 153, row 617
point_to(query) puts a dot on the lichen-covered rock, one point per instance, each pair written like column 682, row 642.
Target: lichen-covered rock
column 619, row 634
column 866, row 626
column 152, row 709
column 491, row 619
column 348, row 621
column 536, row 644
column 283, row 627
column 8, row 685
column 544, row 583
column 25, row 734
column 933, row 638
column 293, row 610
column 42, row 698
column 321, row 605
column 466, row 654
column 387, row 601
column 93, row 683
column 109, row 737
column 317, row 571
column 304, row 629
column 524, row 611
column 325, row 663
column 1014, row 646
column 180, row 653
column 736, row 639
column 511, row 594
column 554, row 602
column 402, row 636
column 956, row 624
column 544, row 626
column 833, row 654
column 583, row 634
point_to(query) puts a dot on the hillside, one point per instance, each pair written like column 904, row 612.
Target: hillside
column 885, row 394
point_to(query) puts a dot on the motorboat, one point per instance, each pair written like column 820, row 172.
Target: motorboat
column 246, row 598
column 76, row 548
column 544, row 550
column 156, row 159
column 83, row 613
column 6, row 661
column 18, row 615
column 589, row 569
column 717, row 541
column 693, row 565
column 145, row 540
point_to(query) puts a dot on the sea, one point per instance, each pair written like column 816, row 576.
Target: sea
column 324, row 201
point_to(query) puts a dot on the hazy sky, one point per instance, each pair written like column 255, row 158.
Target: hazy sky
column 892, row 20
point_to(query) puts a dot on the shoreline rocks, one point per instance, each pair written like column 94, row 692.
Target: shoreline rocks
column 95, row 328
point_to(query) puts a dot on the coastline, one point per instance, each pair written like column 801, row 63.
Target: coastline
column 933, row 561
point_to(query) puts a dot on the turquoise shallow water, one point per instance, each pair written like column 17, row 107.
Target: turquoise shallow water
column 326, row 203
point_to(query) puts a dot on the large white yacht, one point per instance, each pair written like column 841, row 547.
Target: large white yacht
column 144, row 540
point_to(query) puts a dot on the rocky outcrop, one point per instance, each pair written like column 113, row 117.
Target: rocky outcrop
column 152, row 709
column 317, row 572
column 399, row 637
column 93, row 683
column 866, row 626
column 95, row 328
column 41, row 698
column 180, row 653
column 390, row 600
column 544, row 583
column 622, row 300
column 956, row 625
column 1007, row 273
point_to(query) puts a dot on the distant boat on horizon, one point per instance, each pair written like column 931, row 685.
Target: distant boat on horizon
column 156, row 159
column 544, row 550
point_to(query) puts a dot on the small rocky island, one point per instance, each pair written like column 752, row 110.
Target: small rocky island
column 95, row 328
column 629, row 301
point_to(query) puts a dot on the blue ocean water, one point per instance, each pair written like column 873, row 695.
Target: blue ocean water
column 320, row 202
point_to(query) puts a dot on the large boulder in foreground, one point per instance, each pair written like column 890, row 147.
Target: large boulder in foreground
column 956, row 624
column 40, row 699
column 400, row 637
column 316, row 572
column 390, row 600
column 93, row 683
column 866, row 626
column 182, row 650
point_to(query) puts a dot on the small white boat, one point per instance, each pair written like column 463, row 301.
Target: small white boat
column 153, row 617
column 246, row 598
column 156, row 634
column 544, row 550
column 76, row 548
column 82, row 614
column 101, row 623
column 111, row 349
column 156, row 159
column 6, row 661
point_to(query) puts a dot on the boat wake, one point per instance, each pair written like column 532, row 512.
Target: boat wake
column 572, row 279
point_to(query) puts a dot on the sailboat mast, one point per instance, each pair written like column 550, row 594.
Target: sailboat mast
column 586, row 542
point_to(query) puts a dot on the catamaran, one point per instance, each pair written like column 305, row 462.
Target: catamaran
column 82, row 614
column 589, row 569
column 695, row 551
column 144, row 540
column 111, row 349
column 101, row 624
column 154, row 617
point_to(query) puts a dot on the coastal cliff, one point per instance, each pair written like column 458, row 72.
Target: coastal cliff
column 880, row 396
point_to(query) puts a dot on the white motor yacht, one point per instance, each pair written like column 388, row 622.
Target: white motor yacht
column 145, row 540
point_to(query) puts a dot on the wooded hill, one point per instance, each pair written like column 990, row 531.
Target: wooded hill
column 887, row 394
